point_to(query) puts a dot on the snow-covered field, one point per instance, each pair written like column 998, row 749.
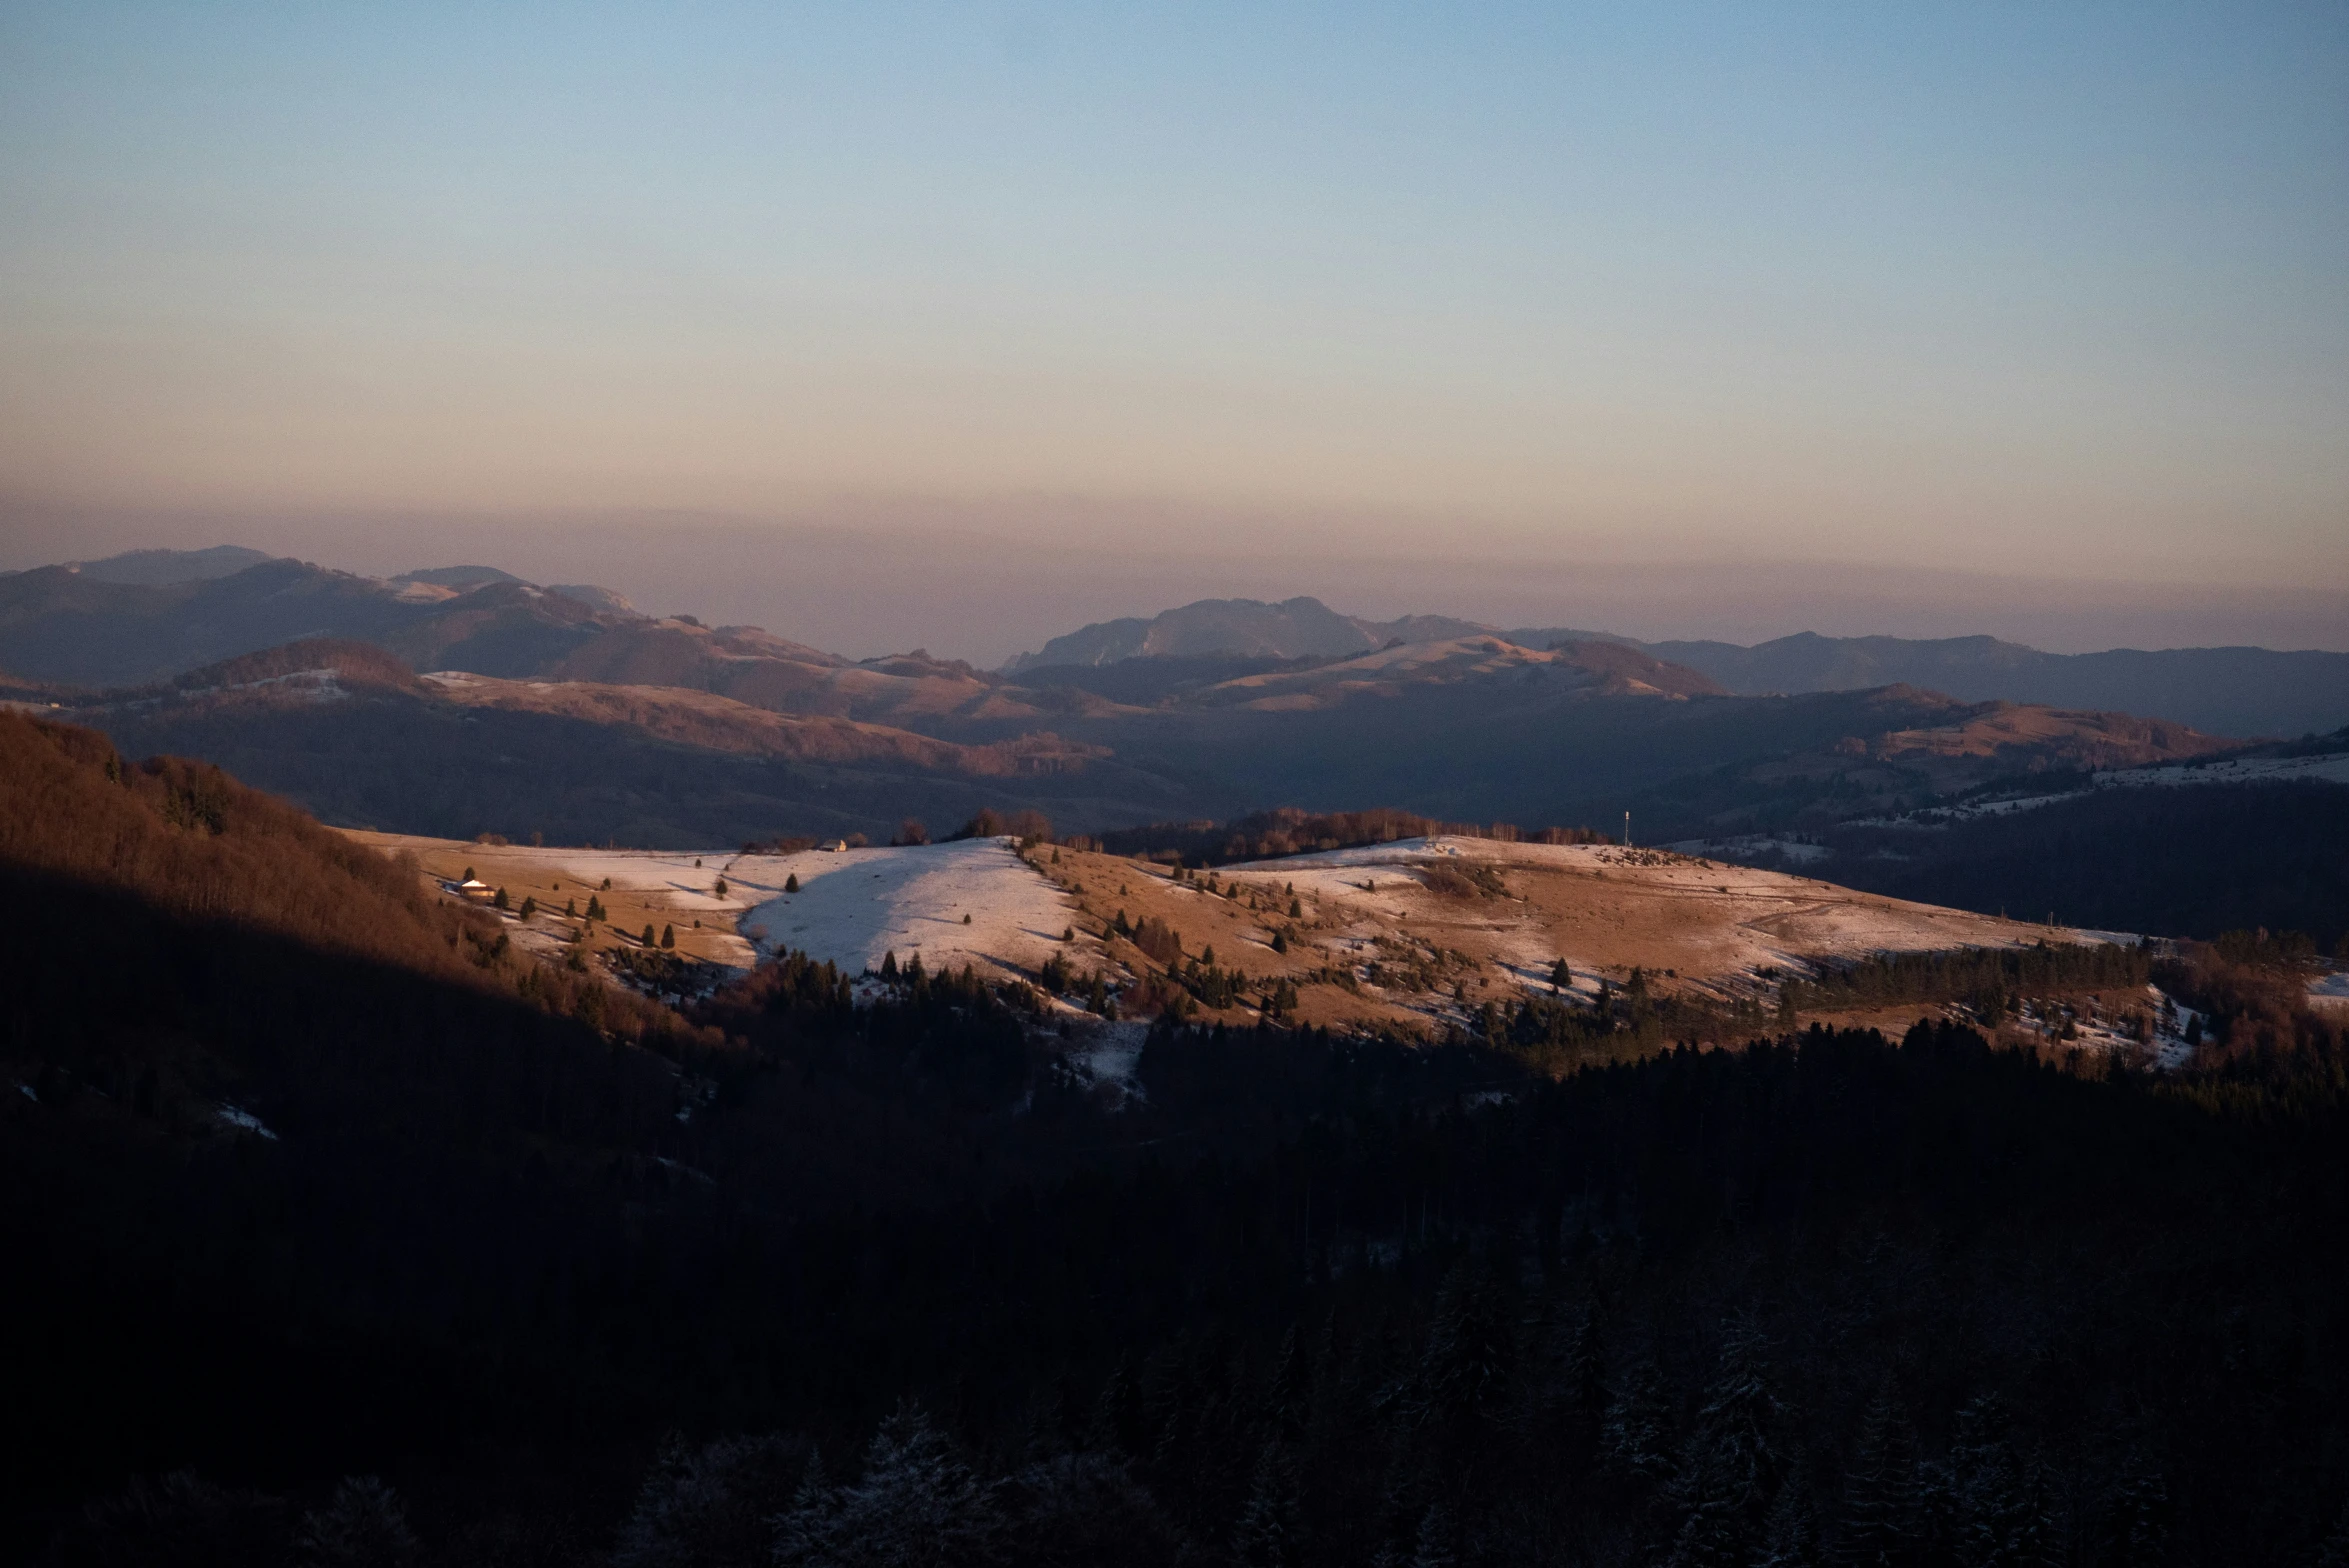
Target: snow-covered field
column 855, row 906
column 2330, row 768
column 2330, row 990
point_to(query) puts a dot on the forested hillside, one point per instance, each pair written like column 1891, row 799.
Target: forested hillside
column 2179, row 862
column 308, row 1180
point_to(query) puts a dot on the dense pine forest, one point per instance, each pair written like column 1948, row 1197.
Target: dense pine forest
column 2184, row 862
column 343, row 1233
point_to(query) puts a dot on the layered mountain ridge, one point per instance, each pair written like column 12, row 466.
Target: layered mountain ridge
column 2235, row 691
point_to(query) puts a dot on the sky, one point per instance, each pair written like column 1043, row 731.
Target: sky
column 883, row 325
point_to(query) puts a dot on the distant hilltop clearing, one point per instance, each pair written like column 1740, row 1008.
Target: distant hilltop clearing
column 1245, row 628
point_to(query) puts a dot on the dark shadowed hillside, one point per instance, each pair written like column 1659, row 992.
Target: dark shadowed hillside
column 347, row 731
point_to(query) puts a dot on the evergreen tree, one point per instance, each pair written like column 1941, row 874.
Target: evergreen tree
column 1471, row 1346
column 1433, row 1545
column 362, row 1526
column 649, row 938
column 1880, row 1508
column 1115, row 1426
column 2136, row 1533
column 2335, row 1552
column 1996, row 1514
column 1269, row 1534
column 917, row 1505
column 2037, row 1537
column 1741, row 1414
column 791, row 883
column 668, row 936
column 1790, row 1535
column 712, row 1504
column 529, row 907
column 1561, row 977
column 1287, row 1403
column 1586, row 1366
column 1733, row 1467
column 889, row 966
column 1636, row 1438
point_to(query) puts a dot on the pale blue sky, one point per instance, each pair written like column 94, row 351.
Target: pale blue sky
column 1995, row 287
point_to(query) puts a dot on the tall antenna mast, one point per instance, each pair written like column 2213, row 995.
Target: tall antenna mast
column 1627, row 830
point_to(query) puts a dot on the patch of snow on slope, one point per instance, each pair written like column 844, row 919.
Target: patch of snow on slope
column 243, row 1120
column 855, row 906
column 2330, row 768
column 1109, row 1054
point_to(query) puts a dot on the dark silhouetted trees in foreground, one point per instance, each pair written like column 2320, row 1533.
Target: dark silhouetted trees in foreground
column 320, row 1253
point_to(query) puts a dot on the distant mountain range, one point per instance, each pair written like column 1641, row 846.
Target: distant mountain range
column 2227, row 691
column 1216, row 707
column 153, row 614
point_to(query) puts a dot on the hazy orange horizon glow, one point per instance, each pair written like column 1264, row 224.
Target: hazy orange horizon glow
column 1230, row 295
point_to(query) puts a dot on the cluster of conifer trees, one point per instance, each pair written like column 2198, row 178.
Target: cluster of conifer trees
column 1986, row 980
column 1289, row 831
